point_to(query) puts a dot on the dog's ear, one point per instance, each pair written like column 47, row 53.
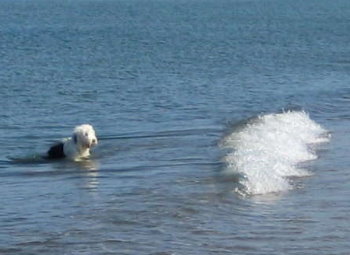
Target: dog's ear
column 75, row 138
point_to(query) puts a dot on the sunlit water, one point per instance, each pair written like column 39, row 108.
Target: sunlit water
column 270, row 148
column 223, row 127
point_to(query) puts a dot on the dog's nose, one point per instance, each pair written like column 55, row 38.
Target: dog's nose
column 94, row 141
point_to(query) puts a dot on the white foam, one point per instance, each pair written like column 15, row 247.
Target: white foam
column 270, row 148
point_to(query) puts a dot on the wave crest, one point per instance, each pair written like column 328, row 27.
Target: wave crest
column 269, row 148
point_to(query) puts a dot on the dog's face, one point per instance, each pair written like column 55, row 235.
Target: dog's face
column 84, row 136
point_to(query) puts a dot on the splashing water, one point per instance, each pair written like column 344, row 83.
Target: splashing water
column 268, row 149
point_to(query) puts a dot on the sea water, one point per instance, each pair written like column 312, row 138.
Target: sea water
column 223, row 126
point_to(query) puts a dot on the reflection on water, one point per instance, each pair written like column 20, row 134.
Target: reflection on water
column 87, row 168
column 90, row 169
column 88, row 164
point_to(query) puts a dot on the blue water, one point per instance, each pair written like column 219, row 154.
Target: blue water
column 165, row 83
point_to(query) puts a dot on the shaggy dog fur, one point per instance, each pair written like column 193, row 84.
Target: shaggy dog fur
column 76, row 147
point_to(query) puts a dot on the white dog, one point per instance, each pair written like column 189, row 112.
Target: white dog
column 76, row 147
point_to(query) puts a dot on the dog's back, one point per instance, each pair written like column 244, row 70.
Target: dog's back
column 56, row 151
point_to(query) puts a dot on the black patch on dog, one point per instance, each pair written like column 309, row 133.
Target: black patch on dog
column 56, row 152
column 75, row 138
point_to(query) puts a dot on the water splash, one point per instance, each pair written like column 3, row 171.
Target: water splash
column 268, row 149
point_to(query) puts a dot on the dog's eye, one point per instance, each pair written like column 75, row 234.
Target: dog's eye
column 86, row 134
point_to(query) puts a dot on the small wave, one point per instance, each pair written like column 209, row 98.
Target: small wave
column 266, row 150
column 29, row 159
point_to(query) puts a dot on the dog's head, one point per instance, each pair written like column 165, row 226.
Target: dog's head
column 84, row 136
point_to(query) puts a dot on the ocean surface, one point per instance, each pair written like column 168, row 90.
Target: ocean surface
column 223, row 127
